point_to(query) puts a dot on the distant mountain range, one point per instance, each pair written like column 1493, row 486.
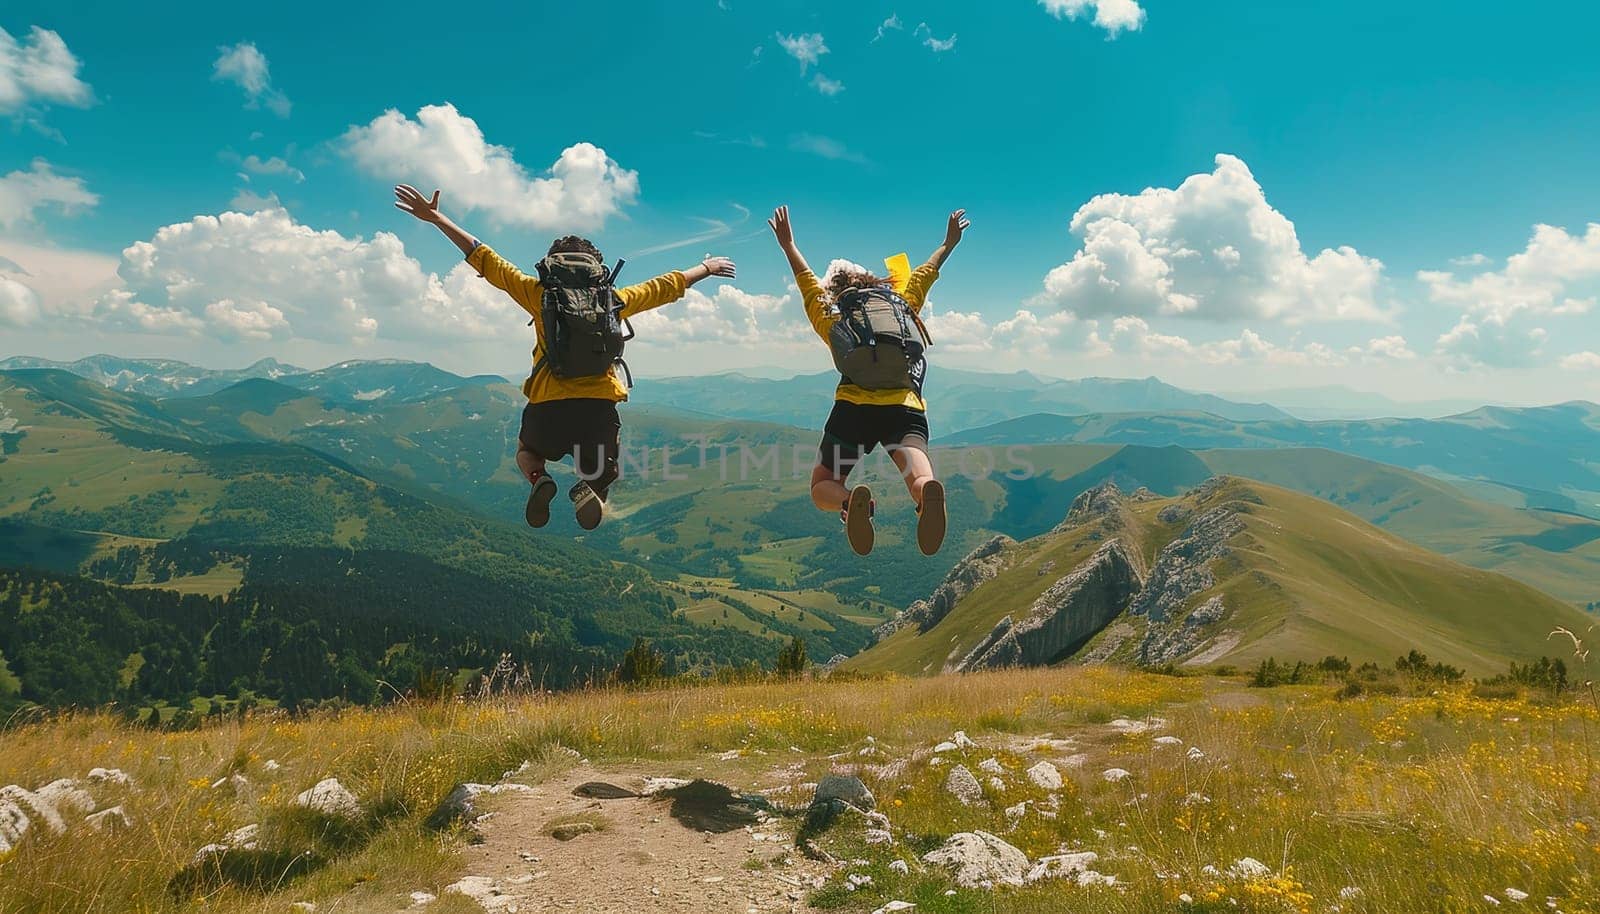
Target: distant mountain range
column 959, row 399
column 1336, row 401
column 356, row 379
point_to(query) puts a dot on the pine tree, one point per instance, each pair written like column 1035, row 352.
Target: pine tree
column 792, row 660
column 641, row 663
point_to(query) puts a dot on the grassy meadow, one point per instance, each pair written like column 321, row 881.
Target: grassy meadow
column 1427, row 799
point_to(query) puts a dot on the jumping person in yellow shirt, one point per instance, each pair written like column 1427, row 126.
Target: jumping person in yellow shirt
column 579, row 319
column 877, row 341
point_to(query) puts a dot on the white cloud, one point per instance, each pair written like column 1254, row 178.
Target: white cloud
column 246, row 67
column 1557, row 273
column 937, row 45
column 263, row 276
column 893, row 23
column 826, row 147
column 39, row 70
column 1582, row 361
column 24, row 193
column 805, row 48
column 1387, row 348
column 1470, row 260
column 1211, row 249
column 1134, row 336
column 730, row 315
column 271, row 167
column 1491, row 343
column 248, row 201
column 1115, row 16
column 19, row 305
column 828, row 87
column 443, row 148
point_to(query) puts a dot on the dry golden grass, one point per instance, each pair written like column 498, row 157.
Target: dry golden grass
column 1422, row 803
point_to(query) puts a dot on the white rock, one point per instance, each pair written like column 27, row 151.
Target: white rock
column 997, row 785
column 857, row 881
column 110, row 776
column 980, row 860
column 1046, row 776
column 37, row 807
column 270, row 765
column 67, row 795
column 1015, row 813
column 945, row 746
column 1350, row 892
column 207, row 852
column 964, row 786
column 1167, row 741
column 1249, row 868
column 901, row 867
column 1116, row 774
column 112, row 819
column 1062, row 866
column 14, row 824
column 306, row 906
column 1492, row 900
column 483, row 890
column 879, row 836
column 330, row 798
column 421, row 898
column 1194, row 754
column 1135, row 727
column 894, row 906
column 1090, row 877
column 1186, row 898
column 961, row 740
column 1516, row 895
column 653, row 786
column 992, row 766
column 245, row 837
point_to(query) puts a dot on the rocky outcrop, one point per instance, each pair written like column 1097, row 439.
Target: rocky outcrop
column 979, row 565
column 980, row 860
column 1069, row 613
column 1102, row 501
column 1180, row 572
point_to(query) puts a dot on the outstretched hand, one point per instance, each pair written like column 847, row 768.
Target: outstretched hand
column 411, row 200
column 958, row 223
column 782, row 229
column 720, row 266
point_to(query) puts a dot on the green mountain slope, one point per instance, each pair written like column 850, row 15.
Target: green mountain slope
column 1291, row 577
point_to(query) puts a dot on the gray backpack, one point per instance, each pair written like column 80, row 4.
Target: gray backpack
column 878, row 341
column 580, row 317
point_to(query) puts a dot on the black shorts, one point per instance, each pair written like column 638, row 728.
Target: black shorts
column 587, row 430
column 854, row 430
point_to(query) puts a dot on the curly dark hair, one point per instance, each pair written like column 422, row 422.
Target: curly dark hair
column 573, row 244
column 846, row 279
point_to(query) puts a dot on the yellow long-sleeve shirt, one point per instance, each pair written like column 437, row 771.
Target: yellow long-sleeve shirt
column 526, row 291
column 823, row 316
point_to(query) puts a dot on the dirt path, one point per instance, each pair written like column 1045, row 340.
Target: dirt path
column 640, row 860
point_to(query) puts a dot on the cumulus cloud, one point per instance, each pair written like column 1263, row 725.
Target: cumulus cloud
column 24, row 193
column 444, row 148
column 39, row 70
column 246, row 67
column 1134, row 336
column 264, row 276
column 19, row 305
column 1211, row 249
column 1114, row 16
column 730, row 315
column 1557, row 273
column 1491, row 343
column 1582, row 361
column 806, row 48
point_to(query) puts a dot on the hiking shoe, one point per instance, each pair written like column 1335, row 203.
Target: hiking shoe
column 931, row 518
column 538, row 511
column 857, row 517
column 589, row 508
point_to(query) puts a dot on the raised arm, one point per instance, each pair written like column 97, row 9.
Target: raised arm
column 409, row 199
column 952, row 236
column 711, row 266
column 783, row 230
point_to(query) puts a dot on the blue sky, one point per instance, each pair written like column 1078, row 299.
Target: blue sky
column 1418, row 145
